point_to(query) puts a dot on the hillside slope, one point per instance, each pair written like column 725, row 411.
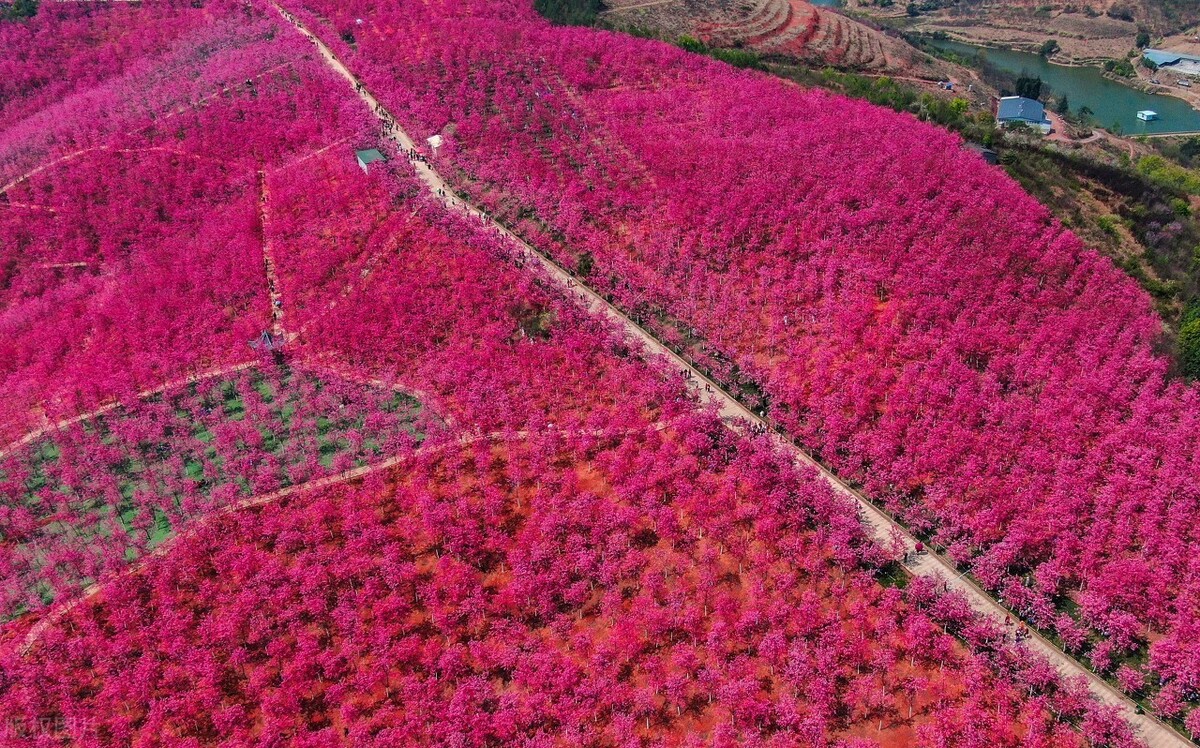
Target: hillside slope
column 786, row 29
column 889, row 299
column 230, row 323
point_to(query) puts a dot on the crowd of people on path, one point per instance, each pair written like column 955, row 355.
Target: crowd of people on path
column 1021, row 632
column 273, row 292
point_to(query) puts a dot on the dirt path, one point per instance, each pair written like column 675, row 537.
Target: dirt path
column 881, row 526
column 183, row 381
column 249, row 502
column 48, row 427
column 651, row 4
column 108, row 149
column 1188, row 134
column 177, row 111
column 49, row 164
column 29, row 206
column 57, row 613
column 428, row 402
column 1059, row 129
column 308, row 156
column 273, row 293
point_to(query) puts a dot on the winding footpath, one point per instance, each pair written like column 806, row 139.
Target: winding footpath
column 272, row 276
column 98, row 149
column 737, row 417
column 194, row 527
column 250, row 502
column 49, row 427
column 1184, row 134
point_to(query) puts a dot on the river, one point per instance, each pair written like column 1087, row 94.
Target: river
column 1111, row 102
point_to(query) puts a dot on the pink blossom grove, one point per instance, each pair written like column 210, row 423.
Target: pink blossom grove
column 902, row 309
column 293, row 454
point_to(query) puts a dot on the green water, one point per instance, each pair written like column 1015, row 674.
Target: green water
column 827, row 3
column 1110, row 102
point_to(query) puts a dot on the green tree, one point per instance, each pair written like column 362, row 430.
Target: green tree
column 570, row 12
column 1029, row 86
column 1049, row 48
column 1189, row 342
column 1172, row 176
column 19, row 9
column 585, row 264
column 1190, row 149
column 1143, row 39
column 741, row 58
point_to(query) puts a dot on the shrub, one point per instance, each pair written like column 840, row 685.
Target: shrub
column 1189, row 342
column 1171, row 176
column 570, row 12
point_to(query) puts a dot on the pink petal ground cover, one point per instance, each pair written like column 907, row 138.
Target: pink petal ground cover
column 902, row 308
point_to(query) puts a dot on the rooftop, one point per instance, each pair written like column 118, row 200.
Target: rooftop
column 370, row 156
column 1018, row 107
column 1166, row 57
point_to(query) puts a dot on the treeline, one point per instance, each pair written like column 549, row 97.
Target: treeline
column 18, row 9
column 954, row 113
column 739, row 58
column 1189, row 341
column 570, row 12
column 1151, row 209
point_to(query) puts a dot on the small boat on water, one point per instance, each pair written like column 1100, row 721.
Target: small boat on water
column 1147, row 115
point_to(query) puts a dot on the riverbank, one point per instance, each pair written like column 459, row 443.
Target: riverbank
column 1142, row 80
column 1191, row 94
column 1015, row 25
column 1107, row 101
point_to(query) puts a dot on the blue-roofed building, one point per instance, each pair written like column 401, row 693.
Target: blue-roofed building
column 1017, row 109
column 1175, row 62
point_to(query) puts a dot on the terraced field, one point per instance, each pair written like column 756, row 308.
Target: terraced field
column 786, row 28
